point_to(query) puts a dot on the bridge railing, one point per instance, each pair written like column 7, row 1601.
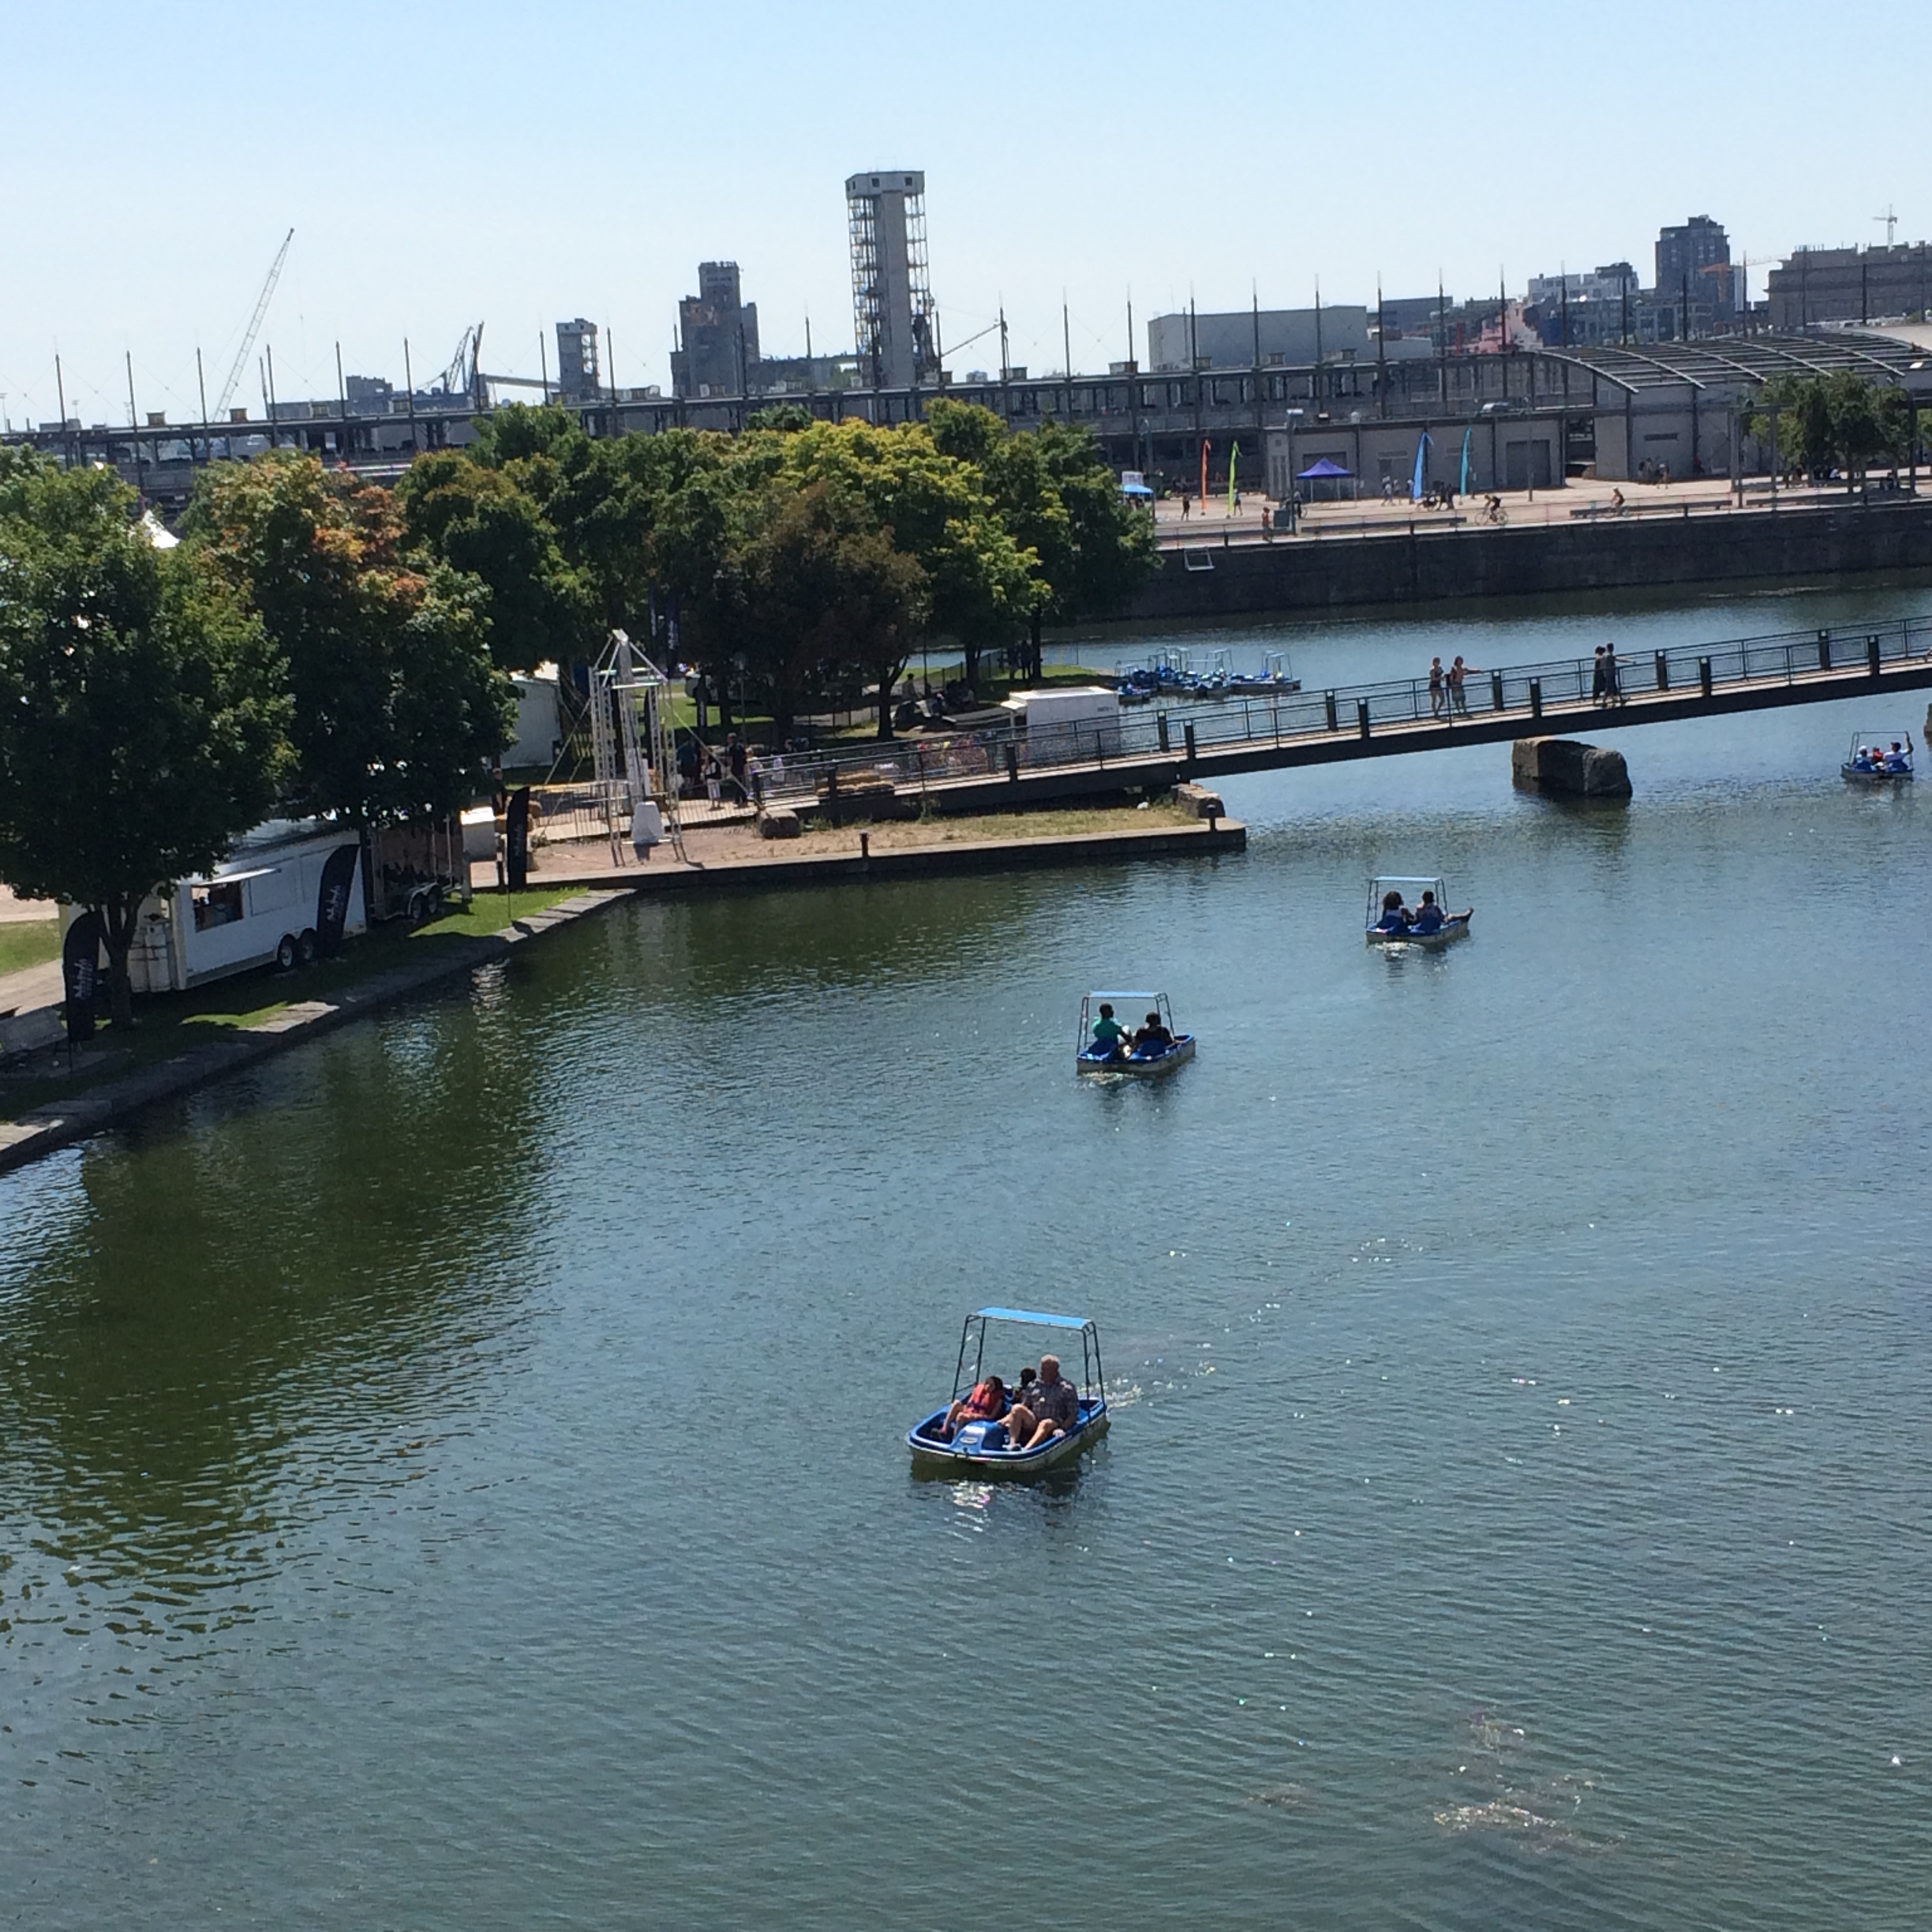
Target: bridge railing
column 1161, row 731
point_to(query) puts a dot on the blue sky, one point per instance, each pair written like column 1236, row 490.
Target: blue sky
column 442, row 163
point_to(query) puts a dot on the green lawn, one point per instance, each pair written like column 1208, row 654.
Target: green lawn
column 28, row 942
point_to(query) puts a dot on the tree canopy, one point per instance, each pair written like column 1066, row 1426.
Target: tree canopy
column 955, row 529
column 395, row 702
column 141, row 713
column 1843, row 421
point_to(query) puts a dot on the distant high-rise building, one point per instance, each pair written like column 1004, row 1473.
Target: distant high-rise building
column 892, row 296
column 578, row 378
column 1694, row 275
column 717, row 336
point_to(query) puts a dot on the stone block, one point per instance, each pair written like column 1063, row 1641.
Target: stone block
column 781, row 822
column 1201, row 803
column 1605, row 775
column 1567, row 768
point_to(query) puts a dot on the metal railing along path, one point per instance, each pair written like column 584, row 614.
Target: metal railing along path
column 1177, row 733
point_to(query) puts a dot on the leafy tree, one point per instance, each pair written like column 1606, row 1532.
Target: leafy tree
column 1842, row 421
column 782, row 416
column 481, row 522
column 140, row 714
column 1060, row 499
column 604, row 499
column 396, row 703
column 938, row 511
column 822, row 586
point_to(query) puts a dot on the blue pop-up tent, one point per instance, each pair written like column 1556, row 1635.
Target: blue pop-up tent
column 1325, row 469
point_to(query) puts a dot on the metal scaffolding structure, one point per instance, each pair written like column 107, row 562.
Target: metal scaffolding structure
column 632, row 761
column 894, row 316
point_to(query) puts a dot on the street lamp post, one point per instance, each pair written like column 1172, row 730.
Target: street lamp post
column 1290, row 419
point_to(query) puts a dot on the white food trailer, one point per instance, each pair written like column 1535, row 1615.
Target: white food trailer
column 1087, row 713
column 290, row 889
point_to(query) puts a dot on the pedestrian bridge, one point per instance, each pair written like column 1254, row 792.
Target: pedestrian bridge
column 1162, row 744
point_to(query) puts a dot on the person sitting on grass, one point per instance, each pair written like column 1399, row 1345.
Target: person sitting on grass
column 987, row 1402
column 1051, row 1408
column 1149, row 1044
column 1108, row 1036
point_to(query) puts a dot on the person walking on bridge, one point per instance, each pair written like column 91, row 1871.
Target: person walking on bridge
column 1612, row 678
column 1436, row 688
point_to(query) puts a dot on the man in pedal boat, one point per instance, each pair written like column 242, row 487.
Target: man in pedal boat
column 1051, row 1408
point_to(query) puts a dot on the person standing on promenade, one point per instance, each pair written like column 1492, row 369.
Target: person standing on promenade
column 1184, row 501
column 735, row 751
column 1436, row 687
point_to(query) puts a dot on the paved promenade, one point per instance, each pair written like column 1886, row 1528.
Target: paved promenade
column 1582, row 499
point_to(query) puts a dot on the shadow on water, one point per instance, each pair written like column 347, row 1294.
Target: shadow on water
column 281, row 1267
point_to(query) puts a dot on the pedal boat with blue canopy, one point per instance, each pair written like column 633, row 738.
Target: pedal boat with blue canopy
column 1142, row 1066
column 1390, row 929
column 982, row 1447
column 1873, row 760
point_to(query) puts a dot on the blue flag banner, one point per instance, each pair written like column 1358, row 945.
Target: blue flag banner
column 1415, row 487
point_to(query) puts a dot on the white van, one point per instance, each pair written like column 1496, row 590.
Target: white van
column 291, row 888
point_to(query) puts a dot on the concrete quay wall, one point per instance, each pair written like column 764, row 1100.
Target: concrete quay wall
column 1420, row 565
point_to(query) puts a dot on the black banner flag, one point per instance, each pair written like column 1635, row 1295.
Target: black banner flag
column 80, row 974
column 332, row 900
column 516, row 839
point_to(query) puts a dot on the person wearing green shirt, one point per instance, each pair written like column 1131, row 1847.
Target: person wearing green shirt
column 1108, row 1033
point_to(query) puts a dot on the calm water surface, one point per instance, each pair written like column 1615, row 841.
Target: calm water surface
column 453, row 1477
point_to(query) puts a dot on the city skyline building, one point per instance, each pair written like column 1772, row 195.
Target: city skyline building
column 717, row 337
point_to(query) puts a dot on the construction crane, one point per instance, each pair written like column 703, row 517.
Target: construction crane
column 461, row 377
column 254, row 327
column 1890, row 219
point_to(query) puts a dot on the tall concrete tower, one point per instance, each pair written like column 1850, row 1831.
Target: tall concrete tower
column 577, row 361
column 891, row 296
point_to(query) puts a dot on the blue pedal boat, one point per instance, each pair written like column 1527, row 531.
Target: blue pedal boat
column 1389, row 928
column 982, row 1447
column 1141, row 1065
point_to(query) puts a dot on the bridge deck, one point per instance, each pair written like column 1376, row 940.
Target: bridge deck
column 990, row 770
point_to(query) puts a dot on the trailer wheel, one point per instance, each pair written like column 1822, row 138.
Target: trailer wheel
column 305, row 947
column 287, row 954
